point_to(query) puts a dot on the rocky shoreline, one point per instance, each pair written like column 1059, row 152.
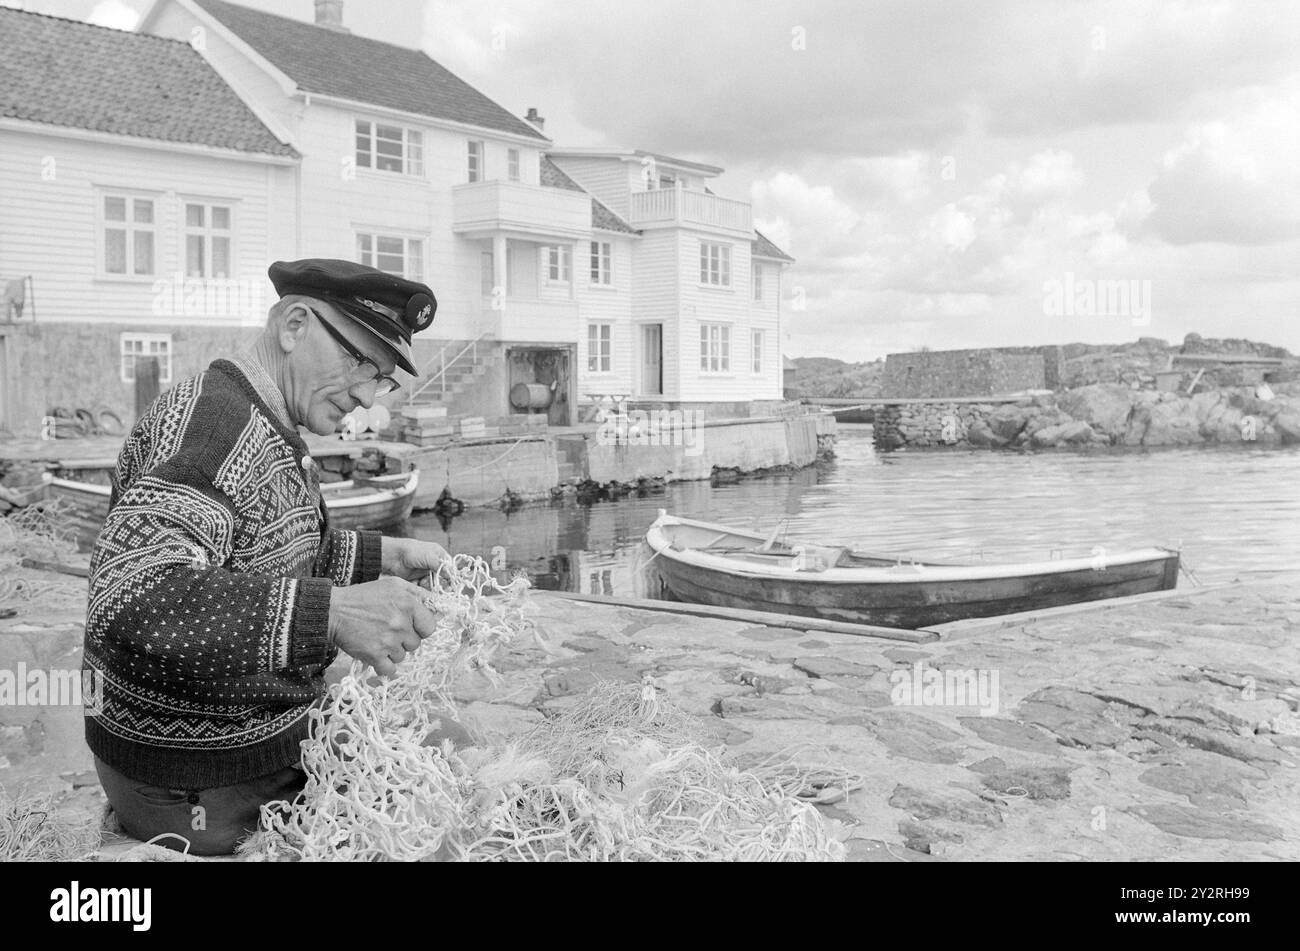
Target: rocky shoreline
column 1103, row 414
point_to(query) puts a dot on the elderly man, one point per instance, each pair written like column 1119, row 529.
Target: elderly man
column 218, row 592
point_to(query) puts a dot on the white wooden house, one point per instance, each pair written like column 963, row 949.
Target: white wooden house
column 148, row 179
column 408, row 168
column 140, row 200
column 706, row 292
column 559, row 266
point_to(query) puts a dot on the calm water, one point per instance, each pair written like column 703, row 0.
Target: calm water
column 1235, row 512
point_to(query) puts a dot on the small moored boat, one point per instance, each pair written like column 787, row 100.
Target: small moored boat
column 375, row 503
column 706, row 563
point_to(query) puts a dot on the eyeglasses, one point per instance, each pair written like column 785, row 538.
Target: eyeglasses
column 366, row 370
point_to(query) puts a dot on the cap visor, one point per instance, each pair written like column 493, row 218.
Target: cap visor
column 400, row 350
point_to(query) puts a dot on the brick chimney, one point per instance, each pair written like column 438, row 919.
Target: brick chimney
column 532, row 116
column 329, row 14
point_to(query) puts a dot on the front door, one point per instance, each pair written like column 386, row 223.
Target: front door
column 652, row 359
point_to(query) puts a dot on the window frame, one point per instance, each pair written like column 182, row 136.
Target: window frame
column 718, row 265
column 475, row 161
column 600, row 346
column 412, row 261
column 207, row 232
column 756, row 351
column 563, row 265
column 514, row 165
column 602, row 263
column 715, row 350
column 757, row 280
column 145, row 339
column 412, row 143
column 131, row 228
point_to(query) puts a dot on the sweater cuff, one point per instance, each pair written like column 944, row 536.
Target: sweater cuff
column 309, row 641
column 370, row 561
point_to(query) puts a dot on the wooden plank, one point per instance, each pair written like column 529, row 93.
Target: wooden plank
column 79, row 571
column 979, row 625
column 765, row 618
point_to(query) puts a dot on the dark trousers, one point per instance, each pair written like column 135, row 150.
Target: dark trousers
column 212, row 820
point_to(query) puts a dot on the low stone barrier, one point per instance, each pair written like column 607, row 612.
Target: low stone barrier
column 1103, row 414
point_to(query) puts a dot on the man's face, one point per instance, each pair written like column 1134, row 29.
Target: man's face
column 322, row 371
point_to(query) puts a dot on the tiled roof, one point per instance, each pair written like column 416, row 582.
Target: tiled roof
column 68, row 73
column 761, row 247
column 335, row 63
column 553, row 176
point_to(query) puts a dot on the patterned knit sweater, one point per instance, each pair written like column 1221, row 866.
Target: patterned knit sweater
column 210, row 588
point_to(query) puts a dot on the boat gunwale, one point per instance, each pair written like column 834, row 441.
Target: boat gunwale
column 903, row 573
column 377, row 496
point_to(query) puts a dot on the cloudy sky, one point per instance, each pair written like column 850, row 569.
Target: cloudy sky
column 943, row 170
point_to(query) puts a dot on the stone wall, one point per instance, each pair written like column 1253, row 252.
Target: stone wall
column 1094, row 416
column 79, row 366
column 957, row 373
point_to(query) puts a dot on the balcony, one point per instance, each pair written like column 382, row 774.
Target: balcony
column 529, row 320
column 482, row 209
column 667, row 207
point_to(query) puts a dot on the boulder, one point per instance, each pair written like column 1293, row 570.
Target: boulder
column 1046, row 418
column 1105, row 406
column 1224, row 424
column 1077, row 433
column 1008, row 421
column 1287, row 425
column 1171, row 423
column 1048, row 436
column 981, row 436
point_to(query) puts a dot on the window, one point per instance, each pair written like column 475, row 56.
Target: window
column 558, row 263
column 207, row 240
column 476, row 161
column 758, row 281
column 389, row 148
column 403, row 257
column 135, row 346
column 129, row 230
column 598, row 348
column 756, row 350
column 715, row 348
column 601, row 256
column 512, row 164
column 715, row 264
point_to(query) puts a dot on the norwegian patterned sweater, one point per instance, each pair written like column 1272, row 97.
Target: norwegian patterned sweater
column 210, row 587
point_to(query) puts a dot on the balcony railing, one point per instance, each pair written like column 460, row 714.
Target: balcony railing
column 488, row 207
column 680, row 206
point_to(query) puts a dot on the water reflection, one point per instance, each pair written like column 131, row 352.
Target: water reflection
column 1235, row 511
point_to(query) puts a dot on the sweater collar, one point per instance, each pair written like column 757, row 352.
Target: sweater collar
column 267, row 397
column 265, row 387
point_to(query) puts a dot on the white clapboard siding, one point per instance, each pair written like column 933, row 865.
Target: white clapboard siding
column 611, row 180
column 656, row 288
column 50, row 227
column 610, row 304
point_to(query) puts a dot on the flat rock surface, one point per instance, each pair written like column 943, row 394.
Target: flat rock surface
column 1156, row 730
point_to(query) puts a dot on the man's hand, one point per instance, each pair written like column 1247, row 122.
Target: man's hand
column 410, row 558
column 380, row 622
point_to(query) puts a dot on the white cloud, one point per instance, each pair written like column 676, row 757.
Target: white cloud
column 1234, row 180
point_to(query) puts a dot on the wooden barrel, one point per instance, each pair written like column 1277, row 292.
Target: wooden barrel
column 530, row 396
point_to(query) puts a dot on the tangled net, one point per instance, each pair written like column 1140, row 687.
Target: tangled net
column 622, row 775
column 36, row 532
column 31, row 830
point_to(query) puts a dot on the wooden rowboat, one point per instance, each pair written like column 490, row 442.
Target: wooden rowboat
column 705, row 563
column 375, row 503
